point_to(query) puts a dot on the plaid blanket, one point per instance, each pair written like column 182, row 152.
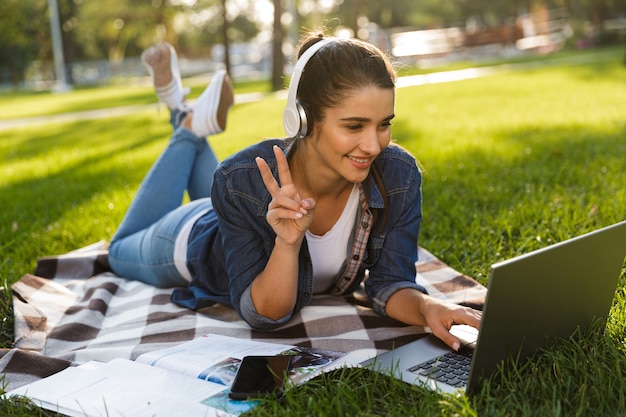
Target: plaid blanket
column 73, row 310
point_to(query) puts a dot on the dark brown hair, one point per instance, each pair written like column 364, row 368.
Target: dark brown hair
column 338, row 68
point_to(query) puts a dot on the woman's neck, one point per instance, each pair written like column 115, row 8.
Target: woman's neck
column 312, row 181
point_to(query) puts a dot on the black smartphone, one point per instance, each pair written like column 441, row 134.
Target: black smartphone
column 260, row 376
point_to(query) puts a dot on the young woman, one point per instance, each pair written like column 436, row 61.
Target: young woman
column 286, row 219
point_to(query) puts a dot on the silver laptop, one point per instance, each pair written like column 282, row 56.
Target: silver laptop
column 532, row 299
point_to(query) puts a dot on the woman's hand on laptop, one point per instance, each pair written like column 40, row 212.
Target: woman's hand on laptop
column 416, row 308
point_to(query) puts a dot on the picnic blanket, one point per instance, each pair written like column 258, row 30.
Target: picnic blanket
column 73, row 309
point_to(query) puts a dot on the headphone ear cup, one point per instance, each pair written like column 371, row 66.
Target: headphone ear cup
column 303, row 128
column 291, row 120
column 294, row 116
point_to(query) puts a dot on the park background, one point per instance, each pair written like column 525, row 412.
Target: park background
column 64, row 43
column 521, row 147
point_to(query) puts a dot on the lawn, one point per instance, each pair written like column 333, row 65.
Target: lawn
column 513, row 162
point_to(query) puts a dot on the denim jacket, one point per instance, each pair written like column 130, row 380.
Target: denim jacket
column 230, row 246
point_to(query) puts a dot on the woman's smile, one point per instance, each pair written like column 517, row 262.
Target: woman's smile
column 361, row 163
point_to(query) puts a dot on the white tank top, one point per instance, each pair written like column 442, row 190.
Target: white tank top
column 328, row 252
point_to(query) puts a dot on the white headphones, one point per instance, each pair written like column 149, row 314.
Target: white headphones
column 294, row 118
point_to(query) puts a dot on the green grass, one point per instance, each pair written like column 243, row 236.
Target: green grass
column 18, row 104
column 139, row 91
column 512, row 163
column 30, row 104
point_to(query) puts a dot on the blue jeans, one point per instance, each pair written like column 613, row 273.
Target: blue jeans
column 142, row 249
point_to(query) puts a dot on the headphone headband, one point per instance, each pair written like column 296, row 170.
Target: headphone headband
column 294, row 117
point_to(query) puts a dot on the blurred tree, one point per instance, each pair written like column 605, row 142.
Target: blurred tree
column 225, row 38
column 392, row 13
column 68, row 20
column 21, row 37
column 123, row 27
column 278, row 58
column 92, row 29
column 596, row 12
column 204, row 23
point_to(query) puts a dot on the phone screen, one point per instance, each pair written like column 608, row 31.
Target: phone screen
column 260, row 376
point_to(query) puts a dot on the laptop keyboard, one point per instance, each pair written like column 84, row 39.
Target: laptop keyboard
column 451, row 368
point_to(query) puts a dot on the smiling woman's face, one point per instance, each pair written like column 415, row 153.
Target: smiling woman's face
column 352, row 134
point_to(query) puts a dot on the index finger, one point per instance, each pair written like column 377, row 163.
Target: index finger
column 268, row 178
column 284, row 174
column 466, row 316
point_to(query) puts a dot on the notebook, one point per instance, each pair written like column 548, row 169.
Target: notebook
column 532, row 300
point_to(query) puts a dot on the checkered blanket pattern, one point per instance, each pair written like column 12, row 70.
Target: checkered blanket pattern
column 73, row 309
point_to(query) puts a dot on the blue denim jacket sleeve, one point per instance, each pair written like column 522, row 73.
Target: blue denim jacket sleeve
column 240, row 201
column 392, row 251
column 250, row 315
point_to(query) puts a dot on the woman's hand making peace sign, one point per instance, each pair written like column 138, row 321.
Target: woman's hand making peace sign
column 274, row 290
column 288, row 214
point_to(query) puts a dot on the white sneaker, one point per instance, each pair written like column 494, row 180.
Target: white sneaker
column 162, row 63
column 210, row 111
